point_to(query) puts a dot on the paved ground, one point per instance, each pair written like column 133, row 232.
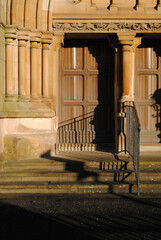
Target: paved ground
column 110, row 217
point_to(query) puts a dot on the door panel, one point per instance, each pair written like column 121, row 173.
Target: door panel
column 73, row 88
column 92, row 88
column 86, row 112
column 147, row 58
column 72, row 58
column 147, row 85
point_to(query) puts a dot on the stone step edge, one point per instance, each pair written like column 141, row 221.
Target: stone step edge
column 65, row 184
column 51, row 184
column 64, row 172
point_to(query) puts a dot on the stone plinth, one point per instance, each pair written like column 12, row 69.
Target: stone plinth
column 24, row 138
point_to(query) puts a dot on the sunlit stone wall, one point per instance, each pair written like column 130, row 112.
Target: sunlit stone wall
column 29, row 50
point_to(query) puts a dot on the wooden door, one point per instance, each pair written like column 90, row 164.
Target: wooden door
column 86, row 94
column 148, row 89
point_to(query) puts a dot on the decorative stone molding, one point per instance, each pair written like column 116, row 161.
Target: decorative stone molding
column 116, row 4
column 107, row 27
column 73, row 1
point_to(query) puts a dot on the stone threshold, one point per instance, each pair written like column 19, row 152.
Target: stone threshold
column 150, row 147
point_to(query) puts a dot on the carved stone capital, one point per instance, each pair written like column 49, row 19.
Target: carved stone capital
column 34, row 44
column 57, row 41
column 22, row 42
column 126, row 39
column 136, row 43
column 46, row 46
column 9, row 41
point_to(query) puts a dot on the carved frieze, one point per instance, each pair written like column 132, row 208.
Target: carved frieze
column 106, row 27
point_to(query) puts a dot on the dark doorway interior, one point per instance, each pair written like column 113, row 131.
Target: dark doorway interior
column 86, row 94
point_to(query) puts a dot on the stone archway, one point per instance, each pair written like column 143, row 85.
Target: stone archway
column 34, row 14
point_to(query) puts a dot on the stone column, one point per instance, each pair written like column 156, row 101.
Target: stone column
column 57, row 42
column 128, row 45
column 45, row 69
column 35, row 70
column 22, row 67
column 9, row 67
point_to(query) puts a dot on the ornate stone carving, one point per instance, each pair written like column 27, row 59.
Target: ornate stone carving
column 106, row 27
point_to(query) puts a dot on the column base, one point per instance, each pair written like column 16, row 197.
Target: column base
column 126, row 98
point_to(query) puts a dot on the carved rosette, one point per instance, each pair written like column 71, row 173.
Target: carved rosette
column 106, row 27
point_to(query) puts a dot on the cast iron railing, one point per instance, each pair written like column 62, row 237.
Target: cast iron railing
column 130, row 139
column 77, row 130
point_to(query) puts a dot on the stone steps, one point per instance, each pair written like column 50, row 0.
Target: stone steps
column 63, row 188
column 62, row 164
column 83, row 172
column 148, row 187
column 65, row 176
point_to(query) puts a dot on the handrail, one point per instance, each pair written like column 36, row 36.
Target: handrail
column 74, row 118
column 130, row 129
column 77, row 130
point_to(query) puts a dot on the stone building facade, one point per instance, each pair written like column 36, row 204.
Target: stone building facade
column 63, row 59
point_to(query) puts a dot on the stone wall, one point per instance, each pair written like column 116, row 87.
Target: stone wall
column 23, row 138
column 31, row 33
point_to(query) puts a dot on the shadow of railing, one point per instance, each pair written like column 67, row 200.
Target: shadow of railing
column 86, row 174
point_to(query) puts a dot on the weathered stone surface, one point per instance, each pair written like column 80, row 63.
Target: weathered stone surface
column 27, row 146
column 27, row 137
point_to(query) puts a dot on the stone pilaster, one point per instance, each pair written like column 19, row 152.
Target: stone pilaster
column 46, row 50
column 57, row 42
column 45, row 69
column 11, row 88
column 9, row 66
column 22, row 71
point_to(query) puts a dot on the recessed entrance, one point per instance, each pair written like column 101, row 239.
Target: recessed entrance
column 86, row 95
column 148, row 89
